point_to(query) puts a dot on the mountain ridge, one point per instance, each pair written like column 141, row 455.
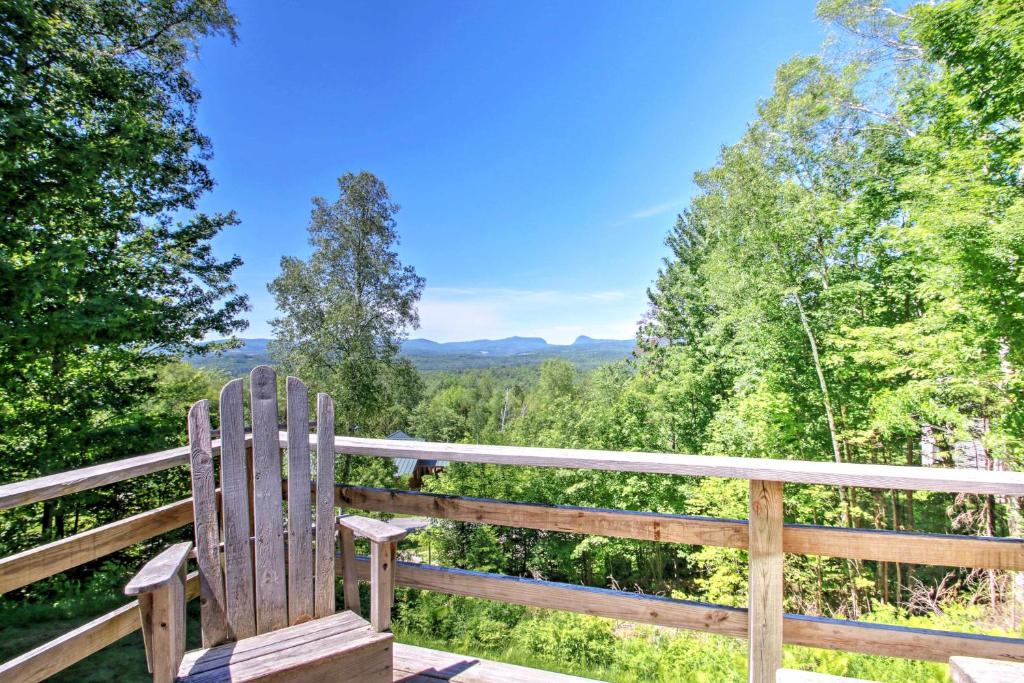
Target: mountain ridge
column 429, row 355
column 506, row 345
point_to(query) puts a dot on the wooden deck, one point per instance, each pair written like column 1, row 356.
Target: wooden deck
column 421, row 665
column 765, row 624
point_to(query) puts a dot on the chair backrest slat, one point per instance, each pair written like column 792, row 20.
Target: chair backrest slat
column 300, row 543
column 252, row 593
column 237, row 527
column 204, row 503
column 271, row 596
column 325, row 536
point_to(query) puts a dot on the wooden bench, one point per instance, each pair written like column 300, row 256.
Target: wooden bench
column 976, row 670
column 419, row 665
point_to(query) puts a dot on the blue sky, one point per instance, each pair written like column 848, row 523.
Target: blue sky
column 539, row 151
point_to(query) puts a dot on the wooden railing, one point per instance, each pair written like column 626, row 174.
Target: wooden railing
column 764, row 535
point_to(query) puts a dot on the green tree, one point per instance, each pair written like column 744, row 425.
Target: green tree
column 105, row 267
column 345, row 310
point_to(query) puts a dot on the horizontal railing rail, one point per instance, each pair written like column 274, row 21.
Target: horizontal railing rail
column 834, row 634
column 791, row 471
column 73, row 481
column 764, row 536
column 729, row 467
column 799, row 539
column 44, row 561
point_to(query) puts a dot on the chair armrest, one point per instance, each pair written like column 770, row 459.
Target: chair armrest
column 384, row 539
column 373, row 529
column 159, row 571
column 160, row 587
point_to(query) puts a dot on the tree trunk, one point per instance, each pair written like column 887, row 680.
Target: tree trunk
column 58, row 521
column 506, row 409
column 1015, row 522
column 895, row 527
column 880, row 522
column 826, row 400
column 1014, row 513
column 819, row 596
column 844, row 502
column 908, row 519
column 990, row 531
column 46, row 522
column 50, row 451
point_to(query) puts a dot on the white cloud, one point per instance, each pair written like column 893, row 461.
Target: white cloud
column 456, row 313
column 521, row 295
column 657, row 209
column 453, row 320
column 651, row 212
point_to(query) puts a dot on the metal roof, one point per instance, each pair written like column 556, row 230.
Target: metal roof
column 404, row 466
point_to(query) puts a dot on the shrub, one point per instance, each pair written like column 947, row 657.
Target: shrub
column 567, row 637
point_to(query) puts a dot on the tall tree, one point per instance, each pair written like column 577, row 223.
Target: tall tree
column 104, row 264
column 347, row 308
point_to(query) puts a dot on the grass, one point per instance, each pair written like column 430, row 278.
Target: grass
column 507, row 655
column 688, row 657
column 24, row 626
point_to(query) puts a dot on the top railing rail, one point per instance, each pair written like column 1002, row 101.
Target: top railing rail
column 760, row 469
column 980, row 482
column 788, row 471
column 30, row 491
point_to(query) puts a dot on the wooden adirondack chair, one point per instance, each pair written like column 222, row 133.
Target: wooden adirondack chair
column 261, row 621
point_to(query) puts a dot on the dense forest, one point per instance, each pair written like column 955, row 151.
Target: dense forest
column 845, row 285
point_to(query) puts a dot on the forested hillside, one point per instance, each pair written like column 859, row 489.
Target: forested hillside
column 845, row 285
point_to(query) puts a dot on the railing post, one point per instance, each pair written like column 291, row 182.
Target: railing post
column 765, row 581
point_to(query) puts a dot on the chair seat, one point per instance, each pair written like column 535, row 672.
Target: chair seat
column 341, row 647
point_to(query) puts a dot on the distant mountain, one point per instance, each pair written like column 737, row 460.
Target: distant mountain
column 495, row 347
column 585, row 352
column 238, row 361
column 253, row 346
column 428, row 355
column 584, row 340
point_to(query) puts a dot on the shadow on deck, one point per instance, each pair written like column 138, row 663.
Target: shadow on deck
column 421, row 665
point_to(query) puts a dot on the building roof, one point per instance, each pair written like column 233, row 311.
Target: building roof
column 404, row 467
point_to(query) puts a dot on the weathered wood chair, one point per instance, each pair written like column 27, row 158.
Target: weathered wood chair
column 261, row 621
